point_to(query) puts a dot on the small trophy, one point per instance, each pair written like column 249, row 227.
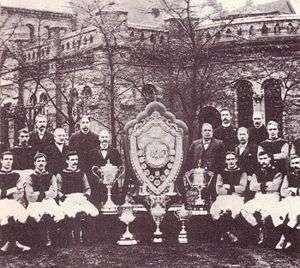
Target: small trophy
column 183, row 215
column 127, row 216
column 108, row 176
column 158, row 212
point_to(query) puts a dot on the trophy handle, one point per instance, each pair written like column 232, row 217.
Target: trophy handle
column 94, row 170
column 120, row 174
column 187, row 176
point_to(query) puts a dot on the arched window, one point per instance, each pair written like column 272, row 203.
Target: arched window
column 244, row 94
column 273, row 101
column 33, row 99
column 149, row 92
column 152, row 38
column 87, row 91
column 209, row 115
column 31, row 31
column 91, row 39
column 43, row 98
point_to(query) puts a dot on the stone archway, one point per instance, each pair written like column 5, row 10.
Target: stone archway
column 244, row 94
column 273, row 102
column 210, row 115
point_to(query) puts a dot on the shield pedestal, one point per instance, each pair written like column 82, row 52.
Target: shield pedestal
column 155, row 145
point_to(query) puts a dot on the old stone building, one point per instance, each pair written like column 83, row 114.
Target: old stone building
column 54, row 65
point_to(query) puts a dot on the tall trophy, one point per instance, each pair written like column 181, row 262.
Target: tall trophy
column 108, row 176
column 127, row 216
column 183, row 215
column 158, row 211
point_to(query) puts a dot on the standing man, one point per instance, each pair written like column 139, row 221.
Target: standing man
column 12, row 211
column 56, row 152
column 23, row 153
column 265, row 182
column 246, row 152
column 74, row 192
column 258, row 132
column 207, row 153
column 226, row 132
column 100, row 157
column 40, row 138
column 231, row 184
column 277, row 147
column 41, row 191
column 83, row 141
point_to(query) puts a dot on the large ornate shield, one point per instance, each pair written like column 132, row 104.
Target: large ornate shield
column 156, row 143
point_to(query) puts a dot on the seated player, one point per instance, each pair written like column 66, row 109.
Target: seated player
column 287, row 212
column 12, row 211
column 231, row 183
column 265, row 182
column 73, row 192
column 41, row 191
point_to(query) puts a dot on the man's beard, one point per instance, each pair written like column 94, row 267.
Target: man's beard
column 42, row 128
column 257, row 125
column 24, row 143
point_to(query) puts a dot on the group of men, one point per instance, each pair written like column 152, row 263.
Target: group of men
column 48, row 185
column 258, row 182
column 254, row 171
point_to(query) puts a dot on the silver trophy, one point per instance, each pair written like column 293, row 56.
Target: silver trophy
column 127, row 216
column 183, row 215
column 158, row 211
column 108, row 176
column 201, row 179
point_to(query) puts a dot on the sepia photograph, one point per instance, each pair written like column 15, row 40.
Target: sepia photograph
column 149, row 133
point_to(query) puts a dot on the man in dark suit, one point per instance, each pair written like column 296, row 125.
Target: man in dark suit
column 226, row 132
column 56, row 152
column 83, row 141
column 246, row 152
column 40, row 138
column 207, row 153
column 23, row 153
column 99, row 157
column 258, row 132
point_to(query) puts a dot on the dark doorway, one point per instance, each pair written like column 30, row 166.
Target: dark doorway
column 244, row 103
column 210, row 115
column 273, row 101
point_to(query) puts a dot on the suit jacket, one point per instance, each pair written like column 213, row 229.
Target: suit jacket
column 257, row 135
column 40, row 145
column 212, row 158
column 23, row 157
column 228, row 136
column 56, row 159
column 82, row 144
column 248, row 159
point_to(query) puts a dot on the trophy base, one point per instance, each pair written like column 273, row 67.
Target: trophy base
column 127, row 242
column 157, row 240
column 109, row 210
column 182, row 239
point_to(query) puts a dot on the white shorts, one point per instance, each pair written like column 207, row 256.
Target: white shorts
column 49, row 207
column 76, row 203
column 223, row 203
column 262, row 203
column 289, row 206
column 12, row 208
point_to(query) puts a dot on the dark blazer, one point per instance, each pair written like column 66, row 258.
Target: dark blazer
column 82, row 144
column 228, row 136
column 23, row 157
column 40, row 145
column 56, row 160
column 257, row 135
column 212, row 158
column 248, row 159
